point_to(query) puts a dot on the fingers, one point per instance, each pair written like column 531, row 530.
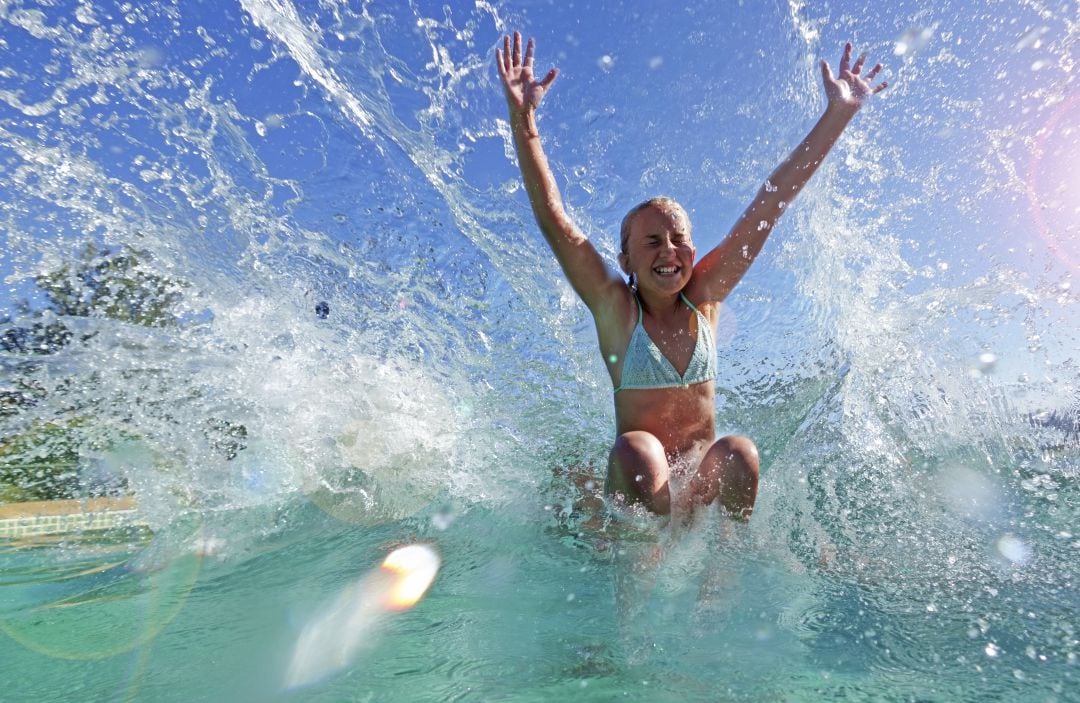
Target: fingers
column 850, row 73
column 845, row 60
column 549, row 78
column 826, row 72
column 858, row 64
column 510, row 56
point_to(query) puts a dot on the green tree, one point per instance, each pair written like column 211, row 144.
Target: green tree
column 39, row 456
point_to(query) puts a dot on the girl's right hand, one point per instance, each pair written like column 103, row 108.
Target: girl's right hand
column 523, row 91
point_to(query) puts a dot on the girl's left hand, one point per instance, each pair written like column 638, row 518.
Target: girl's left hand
column 852, row 88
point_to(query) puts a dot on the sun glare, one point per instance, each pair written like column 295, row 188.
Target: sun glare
column 413, row 568
column 1054, row 182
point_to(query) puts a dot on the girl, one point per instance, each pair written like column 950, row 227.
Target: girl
column 656, row 332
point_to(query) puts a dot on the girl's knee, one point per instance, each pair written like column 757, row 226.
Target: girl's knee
column 636, row 445
column 740, row 451
column 638, row 470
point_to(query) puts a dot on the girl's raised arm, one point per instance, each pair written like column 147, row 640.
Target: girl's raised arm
column 593, row 280
column 719, row 270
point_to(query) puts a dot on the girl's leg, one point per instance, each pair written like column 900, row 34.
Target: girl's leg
column 729, row 472
column 638, row 468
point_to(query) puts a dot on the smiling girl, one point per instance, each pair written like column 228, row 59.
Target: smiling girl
column 656, row 331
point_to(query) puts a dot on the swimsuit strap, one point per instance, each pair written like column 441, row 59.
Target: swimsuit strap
column 687, row 301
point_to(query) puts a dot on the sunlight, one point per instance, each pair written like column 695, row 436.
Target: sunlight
column 1054, row 181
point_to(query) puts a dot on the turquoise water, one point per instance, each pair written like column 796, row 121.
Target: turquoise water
column 337, row 332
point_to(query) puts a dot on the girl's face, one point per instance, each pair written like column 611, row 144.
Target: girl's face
column 659, row 251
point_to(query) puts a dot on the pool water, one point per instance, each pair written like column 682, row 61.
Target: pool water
column 271, row 271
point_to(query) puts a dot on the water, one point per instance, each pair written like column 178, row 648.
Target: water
column 336, row 331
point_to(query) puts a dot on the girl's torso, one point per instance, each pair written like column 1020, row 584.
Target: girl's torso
column 676, row 355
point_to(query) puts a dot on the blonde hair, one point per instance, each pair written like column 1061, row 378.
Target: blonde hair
column 661, row 202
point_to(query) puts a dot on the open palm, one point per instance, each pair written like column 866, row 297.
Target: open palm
column 851, row 88
column 523, row 91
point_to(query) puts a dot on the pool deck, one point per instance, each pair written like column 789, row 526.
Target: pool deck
column 55, row 517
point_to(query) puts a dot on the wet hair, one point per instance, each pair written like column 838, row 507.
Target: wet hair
column 662, row 202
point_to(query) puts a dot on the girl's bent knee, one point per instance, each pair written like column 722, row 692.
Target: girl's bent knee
column 742, row 450
column 636, row 444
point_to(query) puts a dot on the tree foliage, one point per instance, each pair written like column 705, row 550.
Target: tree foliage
column 39, row 458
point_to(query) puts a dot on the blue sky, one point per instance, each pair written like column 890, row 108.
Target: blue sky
column 698, row 102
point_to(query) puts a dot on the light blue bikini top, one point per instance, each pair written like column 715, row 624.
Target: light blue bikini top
column 644, row 366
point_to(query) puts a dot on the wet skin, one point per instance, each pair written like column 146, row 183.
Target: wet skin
column 657, row 427
column 661, row 428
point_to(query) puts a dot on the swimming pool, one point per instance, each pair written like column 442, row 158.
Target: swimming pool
column 283, row 288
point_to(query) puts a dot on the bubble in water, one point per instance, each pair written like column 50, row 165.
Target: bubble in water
column 605, row 62
column 441, row 521
column 1014, row 549
column 968, row 493
column 992, row 650
column 986, row 363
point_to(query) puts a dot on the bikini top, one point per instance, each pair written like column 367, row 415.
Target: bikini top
column 644, row 366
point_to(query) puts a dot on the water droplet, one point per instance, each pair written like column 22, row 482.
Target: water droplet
column 912, row 40
column 441, row 521
column 764, row 224
column 1032, row 40
column 987, row 362
column 769, row 187
column 613, row 359
column 605, row 62
column 1014, row 549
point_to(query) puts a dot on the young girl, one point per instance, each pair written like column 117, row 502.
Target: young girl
column 656, row 332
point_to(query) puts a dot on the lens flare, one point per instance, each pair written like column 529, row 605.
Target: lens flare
column 353, row 620
column 1053, row 181
column 413, row 569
